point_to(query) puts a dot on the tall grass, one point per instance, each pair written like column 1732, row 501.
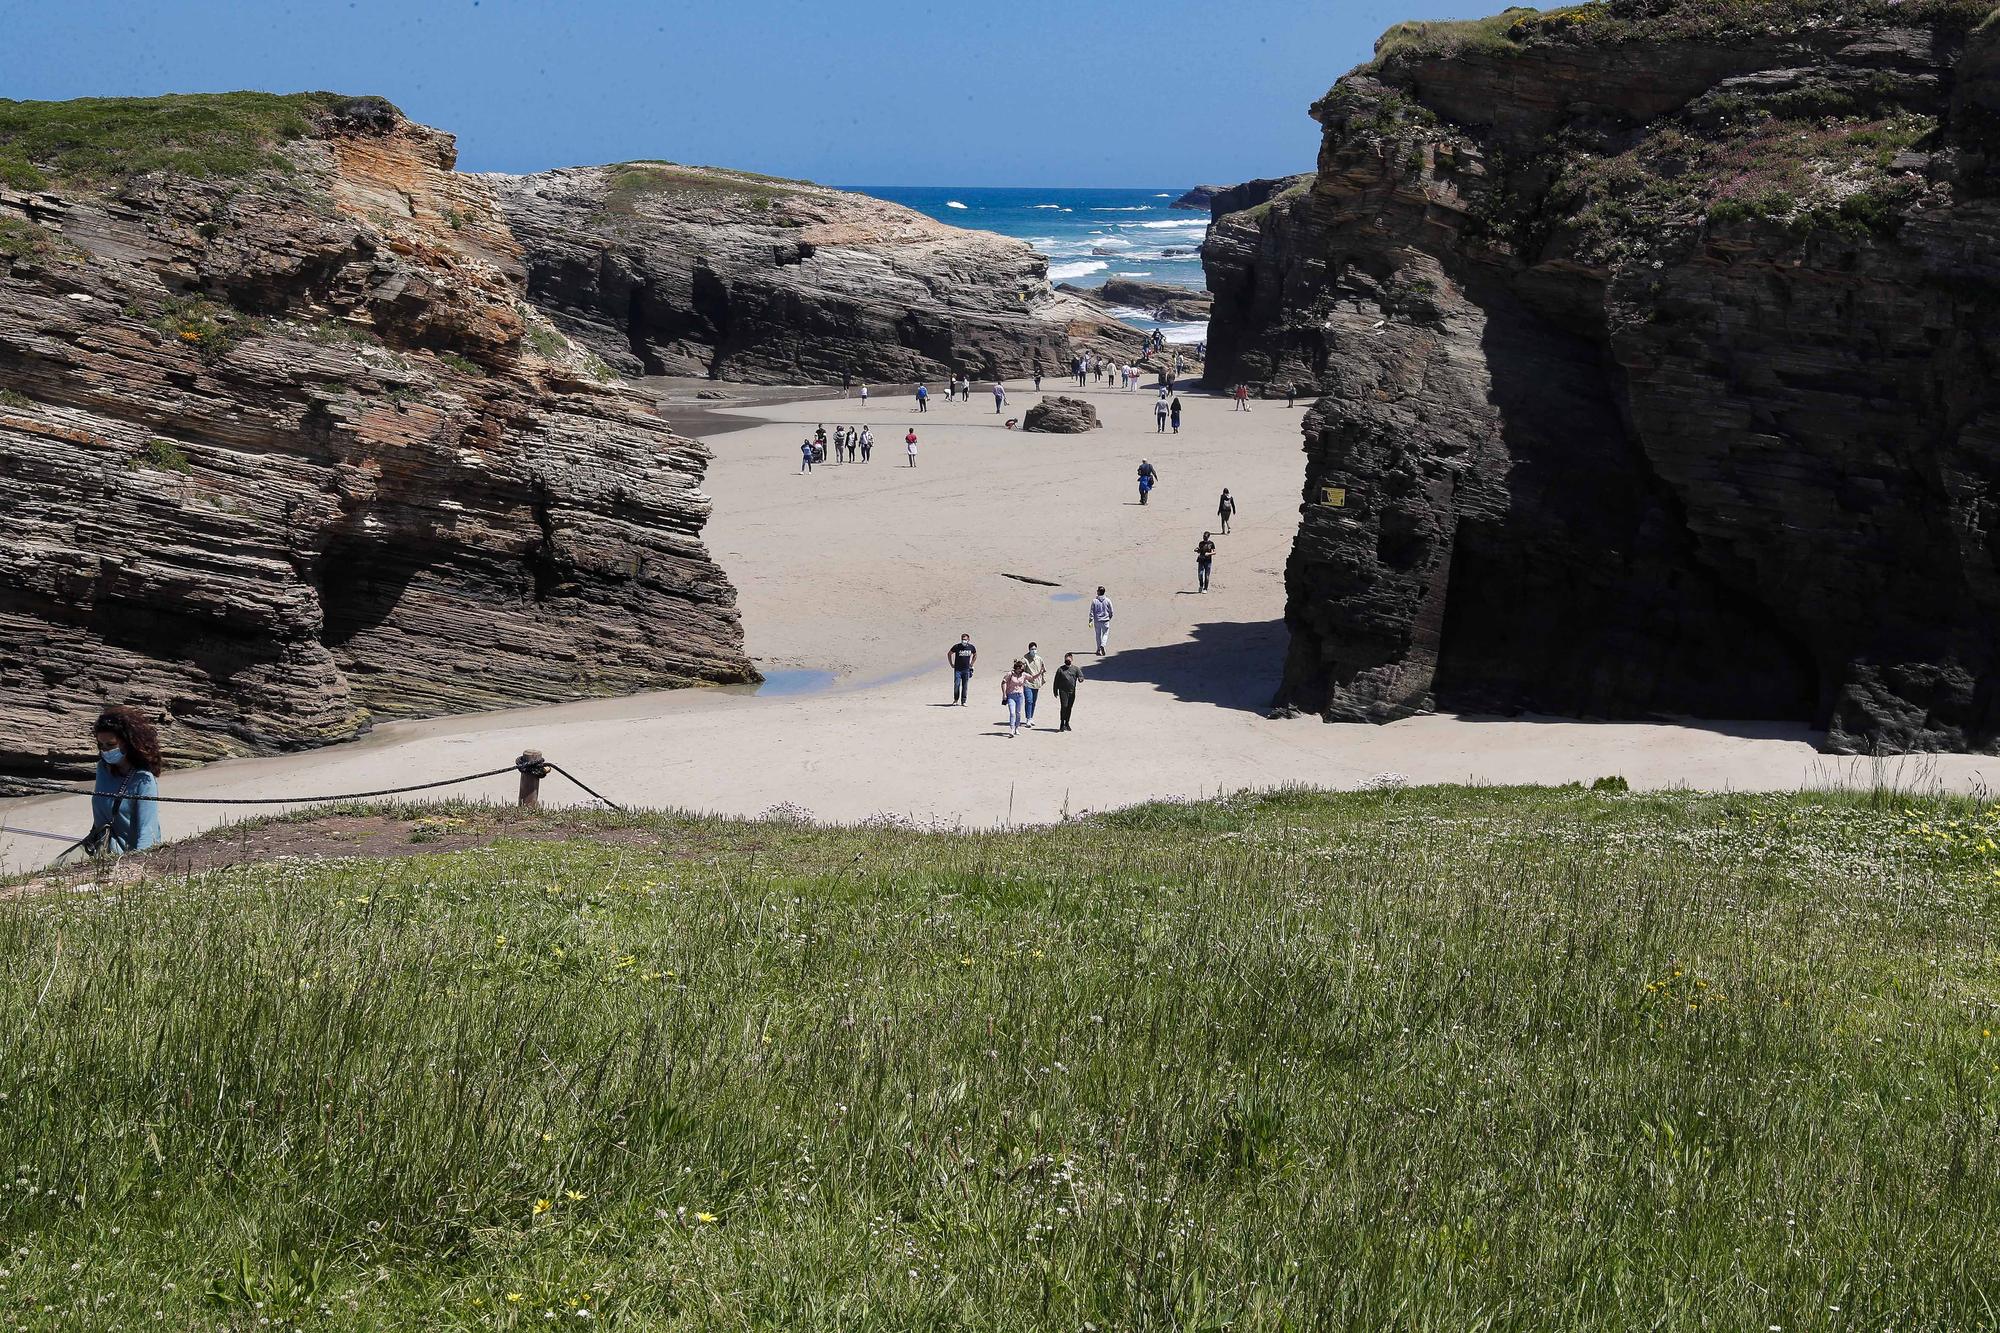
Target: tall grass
column 1466, row 1059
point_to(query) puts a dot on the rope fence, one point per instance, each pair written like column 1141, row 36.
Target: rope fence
column 531, row 766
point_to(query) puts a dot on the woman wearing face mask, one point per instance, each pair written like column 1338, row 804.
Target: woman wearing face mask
column 1038, row 674
column 128, row 766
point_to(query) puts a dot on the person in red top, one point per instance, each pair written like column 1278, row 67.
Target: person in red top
column 1242, row 398
column 910, row 445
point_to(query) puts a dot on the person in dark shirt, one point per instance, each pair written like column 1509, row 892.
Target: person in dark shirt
column 961, row 656
column 1068, row 675
column 1204, row 559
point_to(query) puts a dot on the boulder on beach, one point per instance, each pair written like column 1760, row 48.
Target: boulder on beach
column 1061, row 416
column 1162, row 300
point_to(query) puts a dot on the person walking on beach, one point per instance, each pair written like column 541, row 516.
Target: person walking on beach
column 1204, row 559
column 1038, row 377
column 1174, row 413
column 1160, row 415
column 1013, row 689
column 1291, row 395
column 1149, row 476
column 806, row 455
column 1068, row 676
column 846, row 381
column 1242, row 398
column 1038, row 673
column 1225, row 509
column 1100, row 619
column 122, row 818
column 864, row 395
column 910, row 445
column 960, row 657
column 867, row 443
column 999, row 396
column 923, row 399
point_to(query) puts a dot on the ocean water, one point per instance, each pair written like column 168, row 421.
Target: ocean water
column 1088, row 235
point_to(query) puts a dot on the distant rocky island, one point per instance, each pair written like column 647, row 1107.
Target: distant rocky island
column 1652, row 343
column 286, row 446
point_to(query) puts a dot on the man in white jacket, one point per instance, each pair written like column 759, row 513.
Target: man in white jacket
column 1100, row 619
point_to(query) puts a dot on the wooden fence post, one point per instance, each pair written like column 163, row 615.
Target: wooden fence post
column 530, row 764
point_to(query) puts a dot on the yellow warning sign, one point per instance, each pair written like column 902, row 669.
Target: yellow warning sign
column 1337, row 496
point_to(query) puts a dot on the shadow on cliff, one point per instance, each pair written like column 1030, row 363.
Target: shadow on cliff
column 1232, row 664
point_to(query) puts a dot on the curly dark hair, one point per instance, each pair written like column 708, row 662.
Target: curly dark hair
column 136, row 734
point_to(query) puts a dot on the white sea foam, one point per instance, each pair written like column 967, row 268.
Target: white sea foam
column 1191, row 224
column 953, row 203
column 1113, row 243
column 1083, row 268
column 1162, row 196
column 1136, row 273
column 1050, row 206
column 1126, row 208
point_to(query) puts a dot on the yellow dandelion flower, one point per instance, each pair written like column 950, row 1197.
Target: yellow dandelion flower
column 542, row 1206
column 575, row 1196
column 704, row 1217
column 548, row 1138
column 515, row 1298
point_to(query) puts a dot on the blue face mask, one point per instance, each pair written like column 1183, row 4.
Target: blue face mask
column 113, row 756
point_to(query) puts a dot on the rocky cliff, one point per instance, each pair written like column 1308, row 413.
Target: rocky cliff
column 283, row 448
column 667, row 269
column 1656, row 340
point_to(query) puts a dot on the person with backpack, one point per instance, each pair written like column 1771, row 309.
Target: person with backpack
column 1204, row 560
column 923, row 399
column 1149, row 476
column 1225, row 509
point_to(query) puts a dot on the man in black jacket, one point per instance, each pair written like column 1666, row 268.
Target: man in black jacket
column 1068, row 676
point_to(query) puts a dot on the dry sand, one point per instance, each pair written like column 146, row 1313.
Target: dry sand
column 870, row 572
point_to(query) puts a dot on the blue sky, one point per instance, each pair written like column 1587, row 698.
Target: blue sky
column 874, row 92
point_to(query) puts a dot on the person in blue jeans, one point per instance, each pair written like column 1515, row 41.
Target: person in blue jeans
column 960, row 657
column 128, row 764
column 1038, row 673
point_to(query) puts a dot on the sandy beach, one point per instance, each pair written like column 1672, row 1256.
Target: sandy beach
column 855, row 579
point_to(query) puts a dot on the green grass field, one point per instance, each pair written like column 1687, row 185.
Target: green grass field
column 1439, row 1058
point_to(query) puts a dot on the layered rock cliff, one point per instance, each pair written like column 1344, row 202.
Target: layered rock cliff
column 283, row 448
column 667, row 269
column 1656, row 340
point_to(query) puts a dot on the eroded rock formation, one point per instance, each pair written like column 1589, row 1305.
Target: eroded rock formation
column 283, row 448
column 1059, row 415
column 666, row 269
column 1656, row 341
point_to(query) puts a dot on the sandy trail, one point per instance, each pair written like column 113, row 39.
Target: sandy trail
column 871, row 571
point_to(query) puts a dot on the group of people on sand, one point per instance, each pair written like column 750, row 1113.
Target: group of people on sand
column 848, row 444
column 1021, row 687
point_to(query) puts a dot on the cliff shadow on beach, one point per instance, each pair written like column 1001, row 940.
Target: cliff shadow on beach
column 1228, row 663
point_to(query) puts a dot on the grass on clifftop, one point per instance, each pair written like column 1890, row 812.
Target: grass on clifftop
column 1438, row 1058
column 101, row 140
column 634, row 181
column 1608, row 21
